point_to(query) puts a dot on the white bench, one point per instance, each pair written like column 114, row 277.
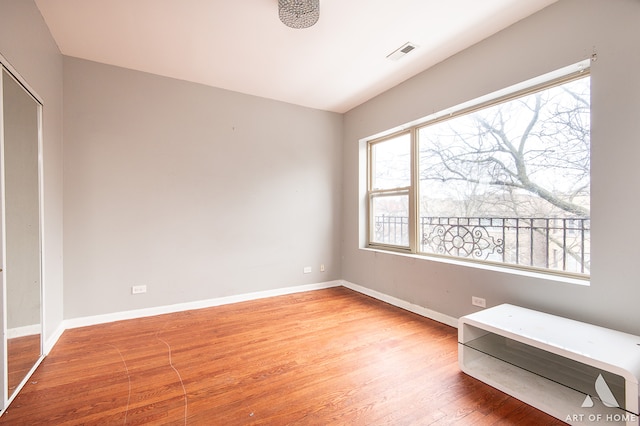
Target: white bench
column 579, row 373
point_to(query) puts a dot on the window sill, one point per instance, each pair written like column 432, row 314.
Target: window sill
column 487, row 267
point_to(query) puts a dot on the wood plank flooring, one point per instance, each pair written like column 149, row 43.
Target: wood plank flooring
column 326, row 357
column 22, row 355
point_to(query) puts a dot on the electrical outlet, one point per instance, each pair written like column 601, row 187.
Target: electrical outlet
column 138, row 289
column 307, row 270
column 478, row 301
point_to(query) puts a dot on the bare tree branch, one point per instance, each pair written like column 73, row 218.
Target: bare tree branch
column 553, row 138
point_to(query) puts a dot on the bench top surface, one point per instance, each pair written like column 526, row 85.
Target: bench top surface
column 598, row 346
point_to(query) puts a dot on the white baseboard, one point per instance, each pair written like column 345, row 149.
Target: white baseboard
column 27, row 330
column 416, row 309
column 200, row 304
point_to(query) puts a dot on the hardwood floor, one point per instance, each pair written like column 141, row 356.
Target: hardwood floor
column 318, row 358
column 22, row 355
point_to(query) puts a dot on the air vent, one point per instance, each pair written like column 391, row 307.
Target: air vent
column 407, row 49
column 401, row 51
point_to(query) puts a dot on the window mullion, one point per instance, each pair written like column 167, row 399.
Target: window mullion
column 413, row 194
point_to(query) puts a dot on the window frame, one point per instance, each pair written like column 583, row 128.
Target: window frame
column 545, row 81
column 397, row 191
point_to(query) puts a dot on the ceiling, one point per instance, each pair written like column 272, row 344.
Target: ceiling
column 241, row 45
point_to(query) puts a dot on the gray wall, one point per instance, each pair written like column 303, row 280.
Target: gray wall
column 562, row 34
column 26, row 43
column 193, row 191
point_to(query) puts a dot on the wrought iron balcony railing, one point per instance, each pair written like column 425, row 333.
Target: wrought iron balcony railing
column 561, row 244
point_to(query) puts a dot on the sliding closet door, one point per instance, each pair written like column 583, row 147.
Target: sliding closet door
column 21, row 258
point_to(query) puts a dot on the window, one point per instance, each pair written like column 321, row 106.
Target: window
column 506, row 181
column 390, row 190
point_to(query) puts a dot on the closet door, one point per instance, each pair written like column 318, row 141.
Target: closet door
column 21, row 233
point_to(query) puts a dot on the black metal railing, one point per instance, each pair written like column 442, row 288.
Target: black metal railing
column 553, row 243
column 393, row 230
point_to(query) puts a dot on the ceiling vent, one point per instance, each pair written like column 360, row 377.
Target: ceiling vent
column 401, row 51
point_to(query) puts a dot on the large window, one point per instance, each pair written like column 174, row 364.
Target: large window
column 506, row 181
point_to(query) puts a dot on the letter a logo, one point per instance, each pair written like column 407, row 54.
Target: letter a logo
column 605, row 394
column 588, row 402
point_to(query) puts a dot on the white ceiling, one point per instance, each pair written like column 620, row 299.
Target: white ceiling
column 241, row 45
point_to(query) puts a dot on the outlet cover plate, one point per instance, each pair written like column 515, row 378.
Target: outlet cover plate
column 138, row 289
column 478, row 301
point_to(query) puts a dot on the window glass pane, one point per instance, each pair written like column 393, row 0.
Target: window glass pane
column 511, row 182
column 390, row 217
column 391, row 163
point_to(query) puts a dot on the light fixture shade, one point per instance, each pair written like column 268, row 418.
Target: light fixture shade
column 299, row 13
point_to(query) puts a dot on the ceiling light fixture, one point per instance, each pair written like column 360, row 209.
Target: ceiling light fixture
column 299, row 13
